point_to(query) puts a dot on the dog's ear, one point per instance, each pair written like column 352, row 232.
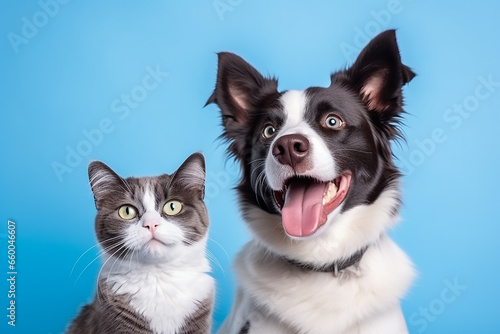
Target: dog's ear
column 378, row 75
column 238, row 89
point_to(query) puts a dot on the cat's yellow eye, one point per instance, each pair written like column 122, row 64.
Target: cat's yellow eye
column 127, row 212
column 172, row 208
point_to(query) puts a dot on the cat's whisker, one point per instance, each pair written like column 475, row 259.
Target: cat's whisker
column 132, row 251
column 213, row 259
column 88, row 250
column 129, row 252
column 105, row 262
column 109, row 258
column 98, row 256
column 81, row 256
column 118, row 246
column 109, row 247
column 221, row 247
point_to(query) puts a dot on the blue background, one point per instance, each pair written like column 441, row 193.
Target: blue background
column 68, row 77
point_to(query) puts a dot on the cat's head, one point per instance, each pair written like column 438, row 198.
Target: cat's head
column 150, row 219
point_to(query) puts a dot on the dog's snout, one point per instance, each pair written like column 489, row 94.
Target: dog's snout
column 291, row 149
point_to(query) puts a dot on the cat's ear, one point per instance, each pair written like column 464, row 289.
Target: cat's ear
column 191, row 174
column 103, row 181
column 238, row 88
column 377, row 75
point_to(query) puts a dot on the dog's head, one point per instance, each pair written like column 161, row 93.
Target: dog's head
column 308, row 157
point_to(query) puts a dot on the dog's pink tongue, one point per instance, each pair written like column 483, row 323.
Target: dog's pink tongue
column 302, row 212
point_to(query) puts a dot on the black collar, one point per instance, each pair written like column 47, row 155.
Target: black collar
column 334, row 267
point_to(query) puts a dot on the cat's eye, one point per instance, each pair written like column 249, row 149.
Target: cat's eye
column 268, row 131
column 171, row 208
column 127, row 212
column 333, row 122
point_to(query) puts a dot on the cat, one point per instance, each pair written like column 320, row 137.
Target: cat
column 153, row 232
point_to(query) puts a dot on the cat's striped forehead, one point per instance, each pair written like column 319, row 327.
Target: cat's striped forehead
column 150, row 192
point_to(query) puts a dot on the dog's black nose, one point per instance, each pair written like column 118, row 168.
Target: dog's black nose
column 291, row 149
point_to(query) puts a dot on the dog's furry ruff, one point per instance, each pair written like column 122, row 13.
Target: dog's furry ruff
column 276, row 297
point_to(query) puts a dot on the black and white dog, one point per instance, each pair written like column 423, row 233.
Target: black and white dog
column 319, row 190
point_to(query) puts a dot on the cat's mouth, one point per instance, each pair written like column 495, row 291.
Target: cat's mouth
column 156, row 242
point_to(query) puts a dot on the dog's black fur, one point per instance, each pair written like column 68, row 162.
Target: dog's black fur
column 362, row 147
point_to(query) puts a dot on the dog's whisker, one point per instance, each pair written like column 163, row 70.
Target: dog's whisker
column 353, row 150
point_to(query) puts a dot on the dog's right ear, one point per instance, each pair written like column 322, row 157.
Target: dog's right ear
column 237, row 92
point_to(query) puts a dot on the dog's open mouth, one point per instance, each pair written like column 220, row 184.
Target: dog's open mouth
column 305, row 203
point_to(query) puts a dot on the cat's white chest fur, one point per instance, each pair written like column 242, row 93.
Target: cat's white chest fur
column 164, row 296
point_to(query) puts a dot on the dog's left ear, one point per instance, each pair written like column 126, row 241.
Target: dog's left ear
column 237, row 92
column 378, row 74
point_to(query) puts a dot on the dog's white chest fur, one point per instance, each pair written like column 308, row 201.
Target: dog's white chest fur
column 164, row 297
column 298, row 301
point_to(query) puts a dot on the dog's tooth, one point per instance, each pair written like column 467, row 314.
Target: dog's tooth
column 333, row 192
column 330, row 193
column 332, row 188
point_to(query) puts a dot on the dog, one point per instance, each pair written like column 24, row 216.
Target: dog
column 319, row 189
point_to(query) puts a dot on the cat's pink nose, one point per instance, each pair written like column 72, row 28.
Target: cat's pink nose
column 151, row 225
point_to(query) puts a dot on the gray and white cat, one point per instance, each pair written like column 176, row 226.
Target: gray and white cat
column 153, row 232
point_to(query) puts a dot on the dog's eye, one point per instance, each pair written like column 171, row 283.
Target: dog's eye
column 333, row 122
column 268, row 131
